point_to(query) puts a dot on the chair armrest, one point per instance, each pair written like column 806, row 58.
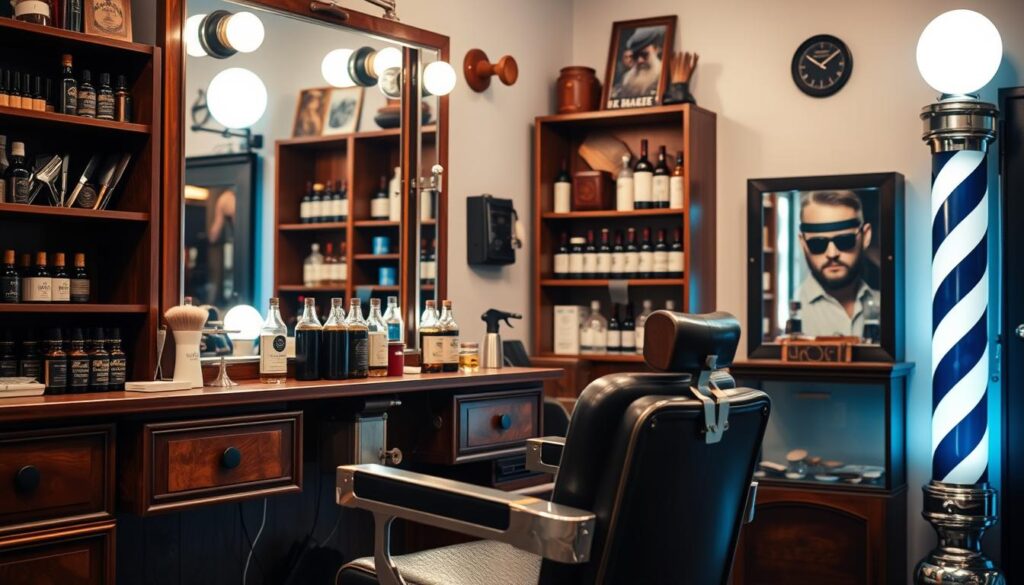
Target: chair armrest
column 544, row 454
column 556, row 532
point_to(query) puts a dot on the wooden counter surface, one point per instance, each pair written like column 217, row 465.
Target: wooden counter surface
column 250, row 392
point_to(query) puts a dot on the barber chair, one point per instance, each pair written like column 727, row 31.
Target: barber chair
column 652, row 484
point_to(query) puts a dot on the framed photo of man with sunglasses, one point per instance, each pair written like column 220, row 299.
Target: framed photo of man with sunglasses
column 826, row 261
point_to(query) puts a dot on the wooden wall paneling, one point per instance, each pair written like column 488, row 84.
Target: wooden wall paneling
column 700, row 168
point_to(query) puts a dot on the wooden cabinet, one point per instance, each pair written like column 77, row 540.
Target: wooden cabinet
column 82, row 555
column 182, row 464
column 487, row 423
column 55, row 476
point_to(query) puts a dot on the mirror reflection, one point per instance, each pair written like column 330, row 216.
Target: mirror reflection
column 821, row 273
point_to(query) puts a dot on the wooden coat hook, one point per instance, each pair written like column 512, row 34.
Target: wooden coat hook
column 479, row 70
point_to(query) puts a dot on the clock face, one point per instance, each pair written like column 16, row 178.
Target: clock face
column 822, row 66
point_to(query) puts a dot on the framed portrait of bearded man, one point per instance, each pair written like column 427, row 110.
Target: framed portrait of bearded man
column 638, row 62
column 825, row 262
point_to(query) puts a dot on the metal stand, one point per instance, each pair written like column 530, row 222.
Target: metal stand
column 960, row 515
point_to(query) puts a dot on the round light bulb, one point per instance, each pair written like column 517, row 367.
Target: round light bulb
column 334, row 68
column 192, row 45
column 439, row 78
column 959, row 52
column 244, row 32
column 385, row 59
column 237, row 98
column 245, row 319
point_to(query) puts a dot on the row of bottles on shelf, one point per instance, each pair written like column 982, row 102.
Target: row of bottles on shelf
column 328, row 201
column 74, row 96
column 579, row 257
column 638, row 186
column 325, row 269
column 386, row 204
column 69, row 362
column 619, row 333
column 324, row 202
column 428, row 261
column 42, row 282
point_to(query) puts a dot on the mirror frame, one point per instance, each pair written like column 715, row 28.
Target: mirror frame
column 170, row 24
column 890, row 234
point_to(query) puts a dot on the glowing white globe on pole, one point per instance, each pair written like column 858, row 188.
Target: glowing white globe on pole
column 237, row 98
column 192, row 45
column 959, row 52
column 439, row 78
column 244, row 32
column 334, row 68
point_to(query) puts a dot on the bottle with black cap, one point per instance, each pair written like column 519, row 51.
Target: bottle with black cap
column 105, row 99
column 55, row 364
column 86, row 105
column 8, row 357
column 118, row 360
column 99, row 362
column 78, row 364
column 30, row 362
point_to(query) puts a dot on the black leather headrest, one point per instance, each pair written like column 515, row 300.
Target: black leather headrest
column 681, row 342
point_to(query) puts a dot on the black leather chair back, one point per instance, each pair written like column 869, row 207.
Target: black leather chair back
column 669, row 505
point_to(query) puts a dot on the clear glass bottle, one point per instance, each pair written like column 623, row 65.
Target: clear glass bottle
column 597, row 329
column 450, row 333
column 358, row 341
column 641, row 320
column 469, row 357
column 393, row 319
column 335, row 356
column 624, row 186
column 377, row 332
column 308, row 338
column 273, row 346
column 431, row 341
column 312, row 267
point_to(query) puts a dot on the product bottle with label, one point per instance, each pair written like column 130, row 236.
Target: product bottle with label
column 60, row 280
column 614, row 337
column 339, row 205
column 395, row 196
column 30, row 361
column 122, row 99
column 675, row 184
column 645, row 268
column 78, row 364
column 628, row 328
column 380, row 205
column 319, row 204
column 590, row 257
column 80, row 289
column 69, row 88
column 306, row 205
column 561, row 259
column 576, row 257
column 377, row 331
column 105, row 99
column 335, row 356
column 431, row 341
column 641, row 320
column 312, row 266
column 597, row 329
column 18, row 177
column 631, row 266
column 675, row 255
column 8, row 357
column 624, row 186
column 118, row 360
column 660, row 185
column 661, row 256
column 36, row 284
column 99, row 362
column 563, row 189
column 86, row 105
column 643, row 180
column 273, row 346
column 358, row 341
column 393, row 319
column 329, row 268
column 10, row 280
column 55, row 364
column 450, row 333
column 604, row 256
column 308, row 336
column 618, row 257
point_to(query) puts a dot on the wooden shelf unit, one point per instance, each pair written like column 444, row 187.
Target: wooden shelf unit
column 361, row 158
column 121, row 244
column 687, row 128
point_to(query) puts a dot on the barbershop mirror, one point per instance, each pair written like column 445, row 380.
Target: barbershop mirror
column 325, row 205
column 825, row 257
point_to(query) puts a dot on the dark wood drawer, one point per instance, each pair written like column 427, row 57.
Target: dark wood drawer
column 55, row 476
column 77, row 555
column 194, row 462
column 493, row 421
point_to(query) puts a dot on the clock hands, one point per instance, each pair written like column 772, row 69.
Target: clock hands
column 830, row 57
column 812, row 60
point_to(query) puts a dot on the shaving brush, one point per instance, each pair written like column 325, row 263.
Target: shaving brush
column 186, row 321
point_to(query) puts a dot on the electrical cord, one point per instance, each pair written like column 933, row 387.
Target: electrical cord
column 252, row 549
column 248, row 539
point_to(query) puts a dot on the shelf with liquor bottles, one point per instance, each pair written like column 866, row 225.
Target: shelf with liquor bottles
column 80, row 172
column 651, row 237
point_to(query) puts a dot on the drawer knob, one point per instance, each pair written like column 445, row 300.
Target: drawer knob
column 504, row 421
column 231, row 458
column 27, row 479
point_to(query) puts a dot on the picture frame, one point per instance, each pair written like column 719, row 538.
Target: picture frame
column 344, row 107
column 109, row 18
column 633, row 81
column 770, row 261
column 310, row 112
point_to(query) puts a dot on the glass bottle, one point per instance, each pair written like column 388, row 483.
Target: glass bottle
column 614, row 337
column 14, row 90
column 121, row 100
column 393, row 319
column 469, row 357
column 38, row 100
column 99, row 362
column 641, row 320
column 660, row 181
column 424, row 262
column 624, row 186
column 60, row 280
column 18, row 177
column 675, row 184
column 273, row 346
column 380, row 205
column 670, row 305
column 450, row 333
column 342, row 263
column 8, row 357
column 431, row 342
column 645, row 267
column 10, row 280
column 118, row 360
column 872, row 321
column 343, row 194
column 48, row 97
column 643, row 180
column 561, row 259
column 631, row 264
column 105, row 99
column 312, row 266
column 55, row 364
column 336, row 343
column 30, row 361
column 576, row 257
column 618, row 257
column 318, row 204
column 68, row 88
column 628, row 328
column 604, row 256
column 308, row 334
column 328, row 275
column 597, row 329
column 306, row 205
column 794, row 325
column 26, row 92
column 36, row 285
column 78, row 364
column 675, row 255
column 590, row 257
column 358, row 341
column 86, row 105
column 563, row 189
column 377, row 331
column 660, row 256
column 395, row 196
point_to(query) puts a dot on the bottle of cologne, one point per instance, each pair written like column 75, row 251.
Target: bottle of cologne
column 69, row 89
column 273, row 346
column 60, row 280
column 10, row 280
column 675, row 184
column 449, row 331
column 393, row 319
column 380, row 205
column 30, row 361
column 18, row 177
column 80, row 289
column 8, row 357
column 86, row 105
column 99, row 362
column 122, row 100
column 377, row 331
column 308, row 335
column 358, row 341
column 105, row 99
column 55, row 364
column 36, row 284
column 78, row 364
column 431, row 341
column 624, row 186
column 336, row 343
column 118, row 360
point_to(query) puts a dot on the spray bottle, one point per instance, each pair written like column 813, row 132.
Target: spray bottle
column 493, row 356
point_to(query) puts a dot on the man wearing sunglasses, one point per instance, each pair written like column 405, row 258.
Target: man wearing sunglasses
column 834, row 238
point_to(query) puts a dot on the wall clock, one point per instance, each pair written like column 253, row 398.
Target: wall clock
column 822, row 66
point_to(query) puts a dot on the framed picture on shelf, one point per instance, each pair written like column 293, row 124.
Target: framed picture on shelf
column 637, row 71
column 109, row 18
column 311, row 112
column 825, row 264
column 344, row 106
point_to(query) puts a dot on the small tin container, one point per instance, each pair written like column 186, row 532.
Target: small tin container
column 387, row 276
column 381, row 245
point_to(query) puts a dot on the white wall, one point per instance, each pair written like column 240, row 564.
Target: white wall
column 767, row 128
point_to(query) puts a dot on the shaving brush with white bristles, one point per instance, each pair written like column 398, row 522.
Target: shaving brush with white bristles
column 186, row 321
